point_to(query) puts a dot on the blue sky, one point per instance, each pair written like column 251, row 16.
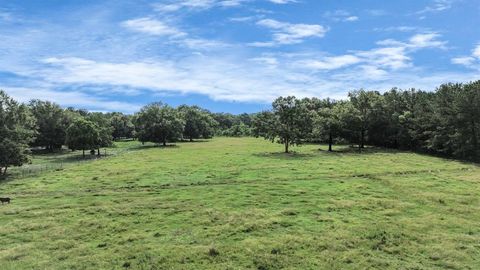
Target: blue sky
column 231, row 55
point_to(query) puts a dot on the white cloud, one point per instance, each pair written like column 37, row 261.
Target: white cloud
column 159, row 28
column 391, row 54
column 330, row 63
column 70, row 99
column 402, row 28
column 340, row 16
column 177, row 5
column 269, row 61
column 351, row 19
column 281, row 2
column 242, row 19
column 476, row 51
column 466, row 60
column 437, row 6
column 152, row 27
column 426, row 40
column 472, row 61
column 387, row 57
column 288, row 33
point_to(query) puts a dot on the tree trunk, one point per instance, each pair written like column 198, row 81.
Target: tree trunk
column 98, row 151
column 330, row 142
column 191, row 139
column 164, row 143
column 362, row 139
column 83, row 153
column 286, row 146
column 5, row 171
column 475, row 141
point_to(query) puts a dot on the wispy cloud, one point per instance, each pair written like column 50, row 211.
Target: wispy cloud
column 196, row 4
column 70, row 99
column 402, row 28
column 282, row 2
column 470, row 61
column 391, row 55
column 340, row 16
column 152, row 27
column 287, row 33
column 437, row 6
column 330, row 63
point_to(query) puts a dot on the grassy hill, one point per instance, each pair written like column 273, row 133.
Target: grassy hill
column 241, row 204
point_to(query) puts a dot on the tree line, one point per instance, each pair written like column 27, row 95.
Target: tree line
column 46, row 125
column 445, row 122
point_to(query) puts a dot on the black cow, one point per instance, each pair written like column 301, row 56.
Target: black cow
column 5, row 200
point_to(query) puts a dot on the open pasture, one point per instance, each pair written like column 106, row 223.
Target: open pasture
column 239, row 203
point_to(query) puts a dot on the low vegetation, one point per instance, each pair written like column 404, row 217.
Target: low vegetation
column 239, row 203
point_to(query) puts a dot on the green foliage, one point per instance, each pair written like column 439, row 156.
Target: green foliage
column 367, row 109
column 51, row 124
column 237, row 130
column 16, row 131
column 233, row 125
column 289, row 123
column 103, row 127
column 328, row 122
column 198, row 122
column 122, row 126
column 83, row 135
column 159, row 123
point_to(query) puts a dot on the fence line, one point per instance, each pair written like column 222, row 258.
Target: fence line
column 37, row 169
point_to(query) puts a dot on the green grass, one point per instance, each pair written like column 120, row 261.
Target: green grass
column 240, row 204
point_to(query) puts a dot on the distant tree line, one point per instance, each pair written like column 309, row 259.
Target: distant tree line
column 446, row 122
column 46, row 125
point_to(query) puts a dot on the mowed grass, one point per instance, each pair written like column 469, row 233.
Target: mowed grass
column 239, row 203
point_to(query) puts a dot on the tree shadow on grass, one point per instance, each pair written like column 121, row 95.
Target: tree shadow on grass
column 337, row 151
column 370, row 150
column 343, row 149
column 150, row 146
column 195, row 141
column 285, row 156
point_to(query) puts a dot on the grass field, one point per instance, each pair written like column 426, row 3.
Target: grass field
column 241, row 204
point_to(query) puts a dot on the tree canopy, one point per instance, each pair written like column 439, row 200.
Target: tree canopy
column 83, row 135
column 198, row 122
column 17, row 130
column 159, row 123
column 289, row 123
column 51, row 124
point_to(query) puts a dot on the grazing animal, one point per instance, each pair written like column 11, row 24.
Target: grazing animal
column 5, row 200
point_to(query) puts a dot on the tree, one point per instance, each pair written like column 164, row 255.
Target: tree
column 17, row 127
column 51, row 124
column 328, row 123
column 198, row 122
column 468, row 106
column 225, row 121
column 82, row 135
column 238, row 130
column 289, row 122
column 104, row 129
column 159, row 123
column 366, row 105
column 122, row 125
